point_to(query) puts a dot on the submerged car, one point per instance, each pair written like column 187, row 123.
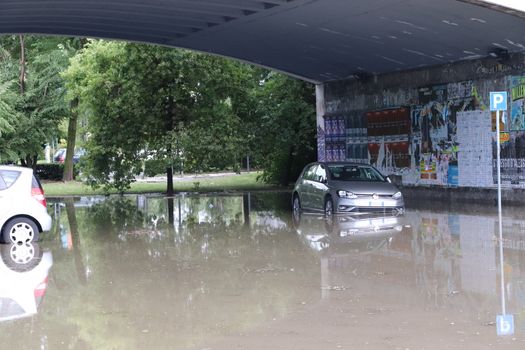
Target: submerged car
column 23, row 212
column 345, row 188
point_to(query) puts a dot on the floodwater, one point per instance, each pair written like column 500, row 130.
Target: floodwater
column 239, row 272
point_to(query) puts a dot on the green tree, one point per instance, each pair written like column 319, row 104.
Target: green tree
column 286, row 134
column 32, row 69
column 149, row 101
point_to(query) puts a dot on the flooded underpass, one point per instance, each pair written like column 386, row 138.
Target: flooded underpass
column 240, row 272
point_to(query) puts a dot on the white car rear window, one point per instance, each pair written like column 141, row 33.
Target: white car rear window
column 8, row 178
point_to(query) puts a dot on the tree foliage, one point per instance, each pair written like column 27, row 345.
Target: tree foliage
column 287, row 136
column 142, row 102
column 30, row 116
column 149, row 101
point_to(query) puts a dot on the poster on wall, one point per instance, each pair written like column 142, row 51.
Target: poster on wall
column 474, row 134
column 437, row 127
column 388, row 139
column 423, row 143
column 517, row 108
column 512, row 159
column 357, row 139
column 335, row 137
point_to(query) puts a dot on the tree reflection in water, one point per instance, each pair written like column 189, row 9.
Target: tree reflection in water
column 129, row 272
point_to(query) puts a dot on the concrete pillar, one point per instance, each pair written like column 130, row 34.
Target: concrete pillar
column 320, row 111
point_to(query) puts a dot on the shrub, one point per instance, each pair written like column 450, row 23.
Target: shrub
column 53, row 172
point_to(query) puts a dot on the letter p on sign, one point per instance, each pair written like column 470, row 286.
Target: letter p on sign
column 498, row 101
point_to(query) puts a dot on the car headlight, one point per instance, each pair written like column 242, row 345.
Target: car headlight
column 397, row 195
column 346, row 194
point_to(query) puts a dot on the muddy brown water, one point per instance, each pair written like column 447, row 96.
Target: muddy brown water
column 240, row 272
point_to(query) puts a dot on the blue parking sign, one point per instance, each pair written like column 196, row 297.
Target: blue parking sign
column 505, row 324
column 498, row 101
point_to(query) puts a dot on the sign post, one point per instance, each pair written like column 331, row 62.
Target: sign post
column 504, row 322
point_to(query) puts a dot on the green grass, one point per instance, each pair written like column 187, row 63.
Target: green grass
column 238, row 182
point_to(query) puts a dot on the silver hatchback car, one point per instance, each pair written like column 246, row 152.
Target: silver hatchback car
column 345, row 188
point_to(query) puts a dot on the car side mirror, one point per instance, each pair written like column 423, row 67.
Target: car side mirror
column 388, row 179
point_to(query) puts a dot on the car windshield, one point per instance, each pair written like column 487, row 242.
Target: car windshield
column 355, row 173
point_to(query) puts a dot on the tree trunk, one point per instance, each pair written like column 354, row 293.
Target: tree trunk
column 71, row 140
column 27, row 161
column 169, row 127
column 22, row 78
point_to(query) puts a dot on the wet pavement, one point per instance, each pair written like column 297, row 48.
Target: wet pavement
column 240, row 272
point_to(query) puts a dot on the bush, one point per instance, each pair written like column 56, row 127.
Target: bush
column 53, row 172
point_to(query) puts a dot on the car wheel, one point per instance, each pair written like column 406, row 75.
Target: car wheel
column 328, row 207
column 296, row 205
column 296, row 213
column 21, row 257
column 20, row 231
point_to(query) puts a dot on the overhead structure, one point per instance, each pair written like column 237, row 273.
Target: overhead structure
column 316, row 40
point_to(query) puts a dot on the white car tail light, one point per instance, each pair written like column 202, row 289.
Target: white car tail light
column 37, row 192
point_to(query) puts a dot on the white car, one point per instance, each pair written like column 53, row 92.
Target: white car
column 24, row 271
column 23, row 213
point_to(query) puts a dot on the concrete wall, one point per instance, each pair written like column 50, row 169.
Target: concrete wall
column 430, row 126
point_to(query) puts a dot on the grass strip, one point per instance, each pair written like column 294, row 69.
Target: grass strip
column 237, row 182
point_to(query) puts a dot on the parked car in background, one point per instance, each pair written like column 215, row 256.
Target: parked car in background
column 345, row 188
column 23, row 212
column 59, row 156
column 24, row 271
column 79, row 153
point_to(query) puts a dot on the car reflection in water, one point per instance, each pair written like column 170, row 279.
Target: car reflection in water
column 348, row 233
column 24, row 270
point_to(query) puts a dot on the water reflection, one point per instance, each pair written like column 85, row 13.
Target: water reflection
column 24, row 272
column 183, row 272
column 347, row 233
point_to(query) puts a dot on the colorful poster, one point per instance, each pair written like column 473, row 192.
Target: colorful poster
column 517, row 110
column 512, row 159
column 437, row 121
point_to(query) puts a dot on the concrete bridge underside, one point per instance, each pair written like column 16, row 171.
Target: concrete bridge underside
column 315, row 40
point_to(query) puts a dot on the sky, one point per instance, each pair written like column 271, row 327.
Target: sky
column 515, row 4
